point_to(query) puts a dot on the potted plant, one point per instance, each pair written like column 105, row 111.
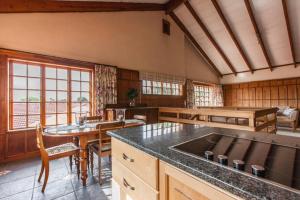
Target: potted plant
column 132, row 94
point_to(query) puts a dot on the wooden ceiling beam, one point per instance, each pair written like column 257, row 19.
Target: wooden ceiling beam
column 229, row 30
column 258, row 35
column 33, row 6
column 195, row 43
column 211, row 39
column 287, row 22
column 172, row 5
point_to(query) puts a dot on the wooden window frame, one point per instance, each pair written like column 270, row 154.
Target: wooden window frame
column 43, row 90
column 162, row 93
column 206, row 96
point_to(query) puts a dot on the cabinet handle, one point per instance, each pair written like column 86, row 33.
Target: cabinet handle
column 126, row 184
column 125, row 157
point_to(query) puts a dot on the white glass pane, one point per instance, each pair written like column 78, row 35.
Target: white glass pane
column 85, row 76
column 50, row 120
column 76, row 97
column 19, row 108
column 75, row 107
column 34, row 83
column 19, row 69
column 62, row 96
column 34, row 96
column 62, row 118
column 75, row 75
column 62, row 74
column 85, row 97
column 75, row 86
column 62, row 107
column 34, row 70
column 19, row 95
column 19, row 122
column 33, row 120
column 50, row 96
column 34, row 108
column 85, row 107
column 20, row 83
column 50, row 84
column 50, row 108
column 50, row 72
column 62, row 85
column 85, row 86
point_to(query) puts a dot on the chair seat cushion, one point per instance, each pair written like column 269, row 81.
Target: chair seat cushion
column 104, row 147
column 64, row 148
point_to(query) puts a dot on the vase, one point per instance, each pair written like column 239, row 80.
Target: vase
column 132, row 103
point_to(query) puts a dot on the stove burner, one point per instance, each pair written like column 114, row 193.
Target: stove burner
column 239, row 165
column 258, row 170
column 209, row 155
column 223, row 160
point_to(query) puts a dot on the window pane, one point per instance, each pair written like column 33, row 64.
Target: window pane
column 33, row 120
column 34, row 108
column 50, row 96
column 85, row 76
column 34, row 70
column 50, row 108
column 85, row 86
column 50, row 84
column 19, row 122
column 76, row 97
column 34, row 96
column 19, row 95
column 75, row 75
column 62, row 74
column 50, row 72
column 34, row 83
column 19, row 109
column 85, row 107
column 62, row 118
column 50, row 120
column 62, row 107
column 76, row 107
column 62, row 85
column 20, row 83
column 75, row 86
column 62, row 96
column 19, row 69
column 85, row 97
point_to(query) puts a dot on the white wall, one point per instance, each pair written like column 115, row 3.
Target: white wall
column 278, row 73
column 132, row 40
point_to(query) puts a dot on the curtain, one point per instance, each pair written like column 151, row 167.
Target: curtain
column 216, row 96
column 105, row 87
column 190, row 94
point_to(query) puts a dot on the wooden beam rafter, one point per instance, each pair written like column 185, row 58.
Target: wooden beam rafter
column 229, row 30
column 33, row 6
column 173, row 4
column 211, row 39
column 258, row 35
column 287, row 22
column 195, row 43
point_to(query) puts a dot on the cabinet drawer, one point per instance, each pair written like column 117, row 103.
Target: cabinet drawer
column 141, row 164
column 130, row 184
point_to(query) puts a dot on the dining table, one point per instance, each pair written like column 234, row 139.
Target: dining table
column 84, row 133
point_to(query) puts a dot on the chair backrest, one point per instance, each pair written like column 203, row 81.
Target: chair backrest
column 39, row 139
column 94, row 118
column 140, row 117
column 110, row 126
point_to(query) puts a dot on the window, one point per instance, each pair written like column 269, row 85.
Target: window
column 161, row 88
column 202, row 95
column 46, row 94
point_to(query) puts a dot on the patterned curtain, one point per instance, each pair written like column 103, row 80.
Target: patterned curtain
column 216, row 96
column 105, row 87
column 190, row 94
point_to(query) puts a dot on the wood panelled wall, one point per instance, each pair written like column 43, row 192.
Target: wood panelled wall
column 130, row 79
column 272, row 93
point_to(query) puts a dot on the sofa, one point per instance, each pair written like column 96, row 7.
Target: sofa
column 287, row 117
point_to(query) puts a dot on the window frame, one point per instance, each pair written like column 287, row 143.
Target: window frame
column 202, row 89
column 42, row 103
column 177, row 91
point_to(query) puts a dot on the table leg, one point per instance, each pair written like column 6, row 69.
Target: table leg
column 83, row 159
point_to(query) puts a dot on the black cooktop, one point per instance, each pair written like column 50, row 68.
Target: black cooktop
column 266, row 159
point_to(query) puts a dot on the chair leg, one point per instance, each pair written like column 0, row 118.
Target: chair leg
column 41, row 172
column 71, row 163
column 46, row 176
column 92, row 161
column 88, row 156
column 99, row 170
column 109, row 157
column 77, row 163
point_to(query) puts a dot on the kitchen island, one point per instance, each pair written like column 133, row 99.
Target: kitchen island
column 148, row 165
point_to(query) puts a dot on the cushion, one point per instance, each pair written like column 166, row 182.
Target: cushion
column 288, row 111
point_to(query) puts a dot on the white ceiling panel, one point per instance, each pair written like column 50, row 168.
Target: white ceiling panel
column 209, row 16
column 190, row 23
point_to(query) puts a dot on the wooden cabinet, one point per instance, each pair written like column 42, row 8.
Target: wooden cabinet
column 176, row 184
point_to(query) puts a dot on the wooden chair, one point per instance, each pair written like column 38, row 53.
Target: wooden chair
column 103, row 147
column 94, row 118
column 140, row 117
column 53, row 153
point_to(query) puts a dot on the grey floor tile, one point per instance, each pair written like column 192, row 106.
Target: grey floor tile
column 53, row 190
column 54, row 175
column 92, row 192
column 70, row 196
column 9, row 174
column 14, row 187
column 27, row 195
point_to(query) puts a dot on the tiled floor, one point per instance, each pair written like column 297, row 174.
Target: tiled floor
column 18, row 180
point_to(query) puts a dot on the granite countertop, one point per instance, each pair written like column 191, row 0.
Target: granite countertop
column 155, row 139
